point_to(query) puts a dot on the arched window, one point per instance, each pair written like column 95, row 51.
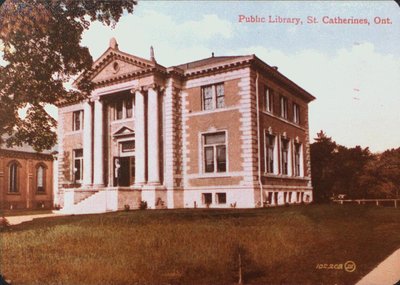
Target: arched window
column 40, row 178
column 13, row 178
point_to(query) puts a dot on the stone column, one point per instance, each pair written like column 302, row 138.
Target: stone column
column 153, row 137
column 87, row 144
column 98, row 159
column 140, row 147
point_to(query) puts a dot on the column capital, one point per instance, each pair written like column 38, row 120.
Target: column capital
column 137, row 89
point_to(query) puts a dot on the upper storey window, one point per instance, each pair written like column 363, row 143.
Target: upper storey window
column 284, row 107
column 268, row 99
column 296, row 113
column 77, row 120
column 214, row 152
column 123, row 109
column 213, row 96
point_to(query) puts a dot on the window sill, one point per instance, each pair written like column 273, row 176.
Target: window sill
column 297, row 125
column 41, row 193
column 213, row 175
column 207, row 112
column 285, row 176
column 14, row 193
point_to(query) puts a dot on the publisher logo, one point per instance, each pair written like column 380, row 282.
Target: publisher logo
column 350, row 266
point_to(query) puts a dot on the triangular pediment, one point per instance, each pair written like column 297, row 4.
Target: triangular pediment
column 124, row 131
column 114, row 63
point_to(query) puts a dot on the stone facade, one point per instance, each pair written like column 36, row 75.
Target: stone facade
column 219, row 132
column 26, row 179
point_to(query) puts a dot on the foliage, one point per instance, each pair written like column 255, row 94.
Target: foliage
column 40, row 41
column 194, row 246
column 4, row 223
column 143, row 205
column 356, row 172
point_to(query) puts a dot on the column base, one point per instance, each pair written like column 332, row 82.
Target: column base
column 155, row 196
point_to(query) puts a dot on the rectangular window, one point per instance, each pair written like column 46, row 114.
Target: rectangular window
column 284, row 155
column 297, row 157
column 213, row 96
column 296, row 113
column 220, row 95
column 118, row 110
column 129, row 108
column 207, row 198
column 284, row 107
column 269, row 151
column 221, row 198
column 268, row 99
column 78, row 165
column 207, row 98
column 77, row 119
column 214, row 151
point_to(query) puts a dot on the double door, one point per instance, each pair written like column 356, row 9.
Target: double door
column 124, row 171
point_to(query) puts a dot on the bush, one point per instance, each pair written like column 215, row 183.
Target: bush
column 127, row 207
column 4, row 223
column 143, row 205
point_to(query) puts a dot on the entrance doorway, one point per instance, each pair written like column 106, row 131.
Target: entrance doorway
column 124, row 170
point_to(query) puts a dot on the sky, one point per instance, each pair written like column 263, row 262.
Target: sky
column 353, row 70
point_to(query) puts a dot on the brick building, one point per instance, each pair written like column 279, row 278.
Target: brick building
column 225, row 131
column 26, row 178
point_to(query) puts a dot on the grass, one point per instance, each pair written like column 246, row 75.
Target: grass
column 277, row 246
column 11, row 213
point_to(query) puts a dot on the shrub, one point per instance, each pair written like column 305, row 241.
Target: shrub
column 143, row 205
column 127, row 207
column 4, row 223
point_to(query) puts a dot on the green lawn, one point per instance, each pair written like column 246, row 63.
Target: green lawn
column 11, row 213
column 277, row 246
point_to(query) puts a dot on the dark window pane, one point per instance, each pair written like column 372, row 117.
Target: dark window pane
column 128, row 105
column 207, row 198
column 77, row 120
column 209, row 159
column 285, row 145
column 78, row 153
column 207, row 98
column 13, row 178
column 221, row 198
column 221, row 159
column 220, row 96
column 77, row 169
column 118, row 109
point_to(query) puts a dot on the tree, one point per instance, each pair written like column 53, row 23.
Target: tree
column 40, row 41
column 322, row 153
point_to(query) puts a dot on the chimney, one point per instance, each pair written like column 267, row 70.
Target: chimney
column 275, row 67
